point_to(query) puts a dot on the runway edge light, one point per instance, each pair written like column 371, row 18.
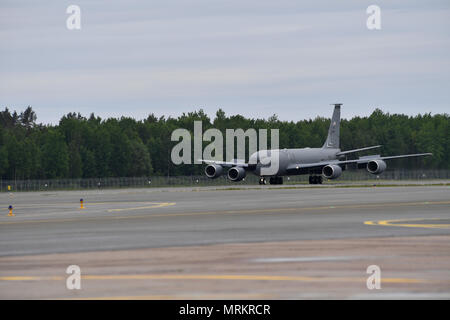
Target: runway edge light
column 10, row 214
column 81, row 204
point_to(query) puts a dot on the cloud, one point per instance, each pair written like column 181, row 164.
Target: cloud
column 258, row 57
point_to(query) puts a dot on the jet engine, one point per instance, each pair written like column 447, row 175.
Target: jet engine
column 236, row 174
column 213, row 171
column 376, row 166
column 331, row 171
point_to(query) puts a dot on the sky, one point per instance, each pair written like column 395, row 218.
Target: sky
column 251, row 57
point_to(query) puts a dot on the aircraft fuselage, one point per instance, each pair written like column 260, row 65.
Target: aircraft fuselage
column 288, row 157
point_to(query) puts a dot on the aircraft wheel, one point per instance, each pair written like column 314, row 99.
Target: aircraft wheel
column 319, row 179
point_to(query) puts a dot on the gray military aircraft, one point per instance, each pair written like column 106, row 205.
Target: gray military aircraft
column 328, row 161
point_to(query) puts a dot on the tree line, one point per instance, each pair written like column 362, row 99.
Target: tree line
column 91, row 147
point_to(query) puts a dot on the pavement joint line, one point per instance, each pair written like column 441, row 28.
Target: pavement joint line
column 250, row 211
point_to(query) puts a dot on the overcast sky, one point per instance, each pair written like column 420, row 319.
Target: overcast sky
column 252, row 57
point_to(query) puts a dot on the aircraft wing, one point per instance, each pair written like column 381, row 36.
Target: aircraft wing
column 356, row 150
column 234, row 163
column 361, row 160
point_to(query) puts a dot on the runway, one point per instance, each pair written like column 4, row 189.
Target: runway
column 255, row 229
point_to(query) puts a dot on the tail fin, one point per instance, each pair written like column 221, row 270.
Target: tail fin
column 333, row 132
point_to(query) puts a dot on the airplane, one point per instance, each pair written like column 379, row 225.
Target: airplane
column 328, row 162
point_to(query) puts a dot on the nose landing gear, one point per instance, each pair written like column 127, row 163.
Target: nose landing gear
column 315, row 179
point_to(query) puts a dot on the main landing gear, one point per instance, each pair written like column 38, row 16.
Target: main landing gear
column 315, row 179
column 276, row 180
column 272, row 180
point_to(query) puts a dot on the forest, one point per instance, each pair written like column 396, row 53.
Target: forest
column 91, row 147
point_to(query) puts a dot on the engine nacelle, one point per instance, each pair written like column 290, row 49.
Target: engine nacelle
column 236, row 174
column 213, row 171
column 331, row 171
column 376, row 166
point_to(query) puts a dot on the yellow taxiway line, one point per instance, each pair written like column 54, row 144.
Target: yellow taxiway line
column 395, row 223
column 154, row 205
column 212, row 277
column 184, row 297
column 245, row 211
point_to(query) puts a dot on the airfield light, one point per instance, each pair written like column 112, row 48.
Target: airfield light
column 10, row 214
column 81, row 204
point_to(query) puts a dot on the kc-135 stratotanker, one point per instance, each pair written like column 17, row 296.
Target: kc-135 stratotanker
column 328, row 161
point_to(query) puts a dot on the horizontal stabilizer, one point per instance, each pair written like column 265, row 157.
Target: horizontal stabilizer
column 364, row 159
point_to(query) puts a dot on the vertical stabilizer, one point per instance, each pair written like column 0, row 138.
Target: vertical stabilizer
column 333, row 132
